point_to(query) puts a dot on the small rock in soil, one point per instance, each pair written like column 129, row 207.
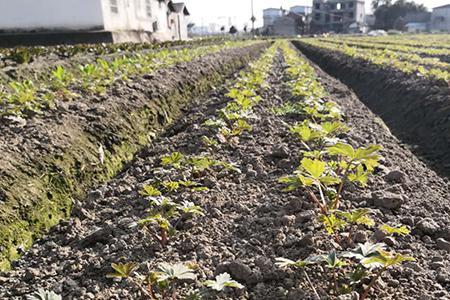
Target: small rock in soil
column 280, row 152
column 443, row 244
column 396, row 176
column 427, row 226
column 387, row 200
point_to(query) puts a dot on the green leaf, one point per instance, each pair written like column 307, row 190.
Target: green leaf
column 342, row 149
column 365, row 250
column 357, row 216
column 293, row 183
column 401, row 230
column 359, row 176
column 222, row 281
column 314, row 167
column 332, row 261
column 122, row 270
column 332, row 223
column 190, row 207
column 385, row 259
column 284, row 263
column 150, row 191
column 42, row 294
column 175, row 160
column 168, row 272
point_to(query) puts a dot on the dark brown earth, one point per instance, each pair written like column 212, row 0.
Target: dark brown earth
column 249, row 221
column 50, row 159
column 416, row 110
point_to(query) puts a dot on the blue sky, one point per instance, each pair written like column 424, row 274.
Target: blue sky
column 219, row 11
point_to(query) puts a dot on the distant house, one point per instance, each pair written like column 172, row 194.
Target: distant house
column 278, row 21
column 440, row 19
column 340, row 16
column 74, row 21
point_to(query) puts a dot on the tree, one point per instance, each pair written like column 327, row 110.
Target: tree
column 387, row 14
column 233, row 30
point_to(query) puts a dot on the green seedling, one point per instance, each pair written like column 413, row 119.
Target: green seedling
column 383, row 260
column 299, row 264
column 222, row 282
column 163, row 212
column 42, row 294
column 167, row 277
column 399, row 230
column 122, row 270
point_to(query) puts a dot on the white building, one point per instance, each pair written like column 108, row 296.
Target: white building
column 126, row 20
column 440, row 19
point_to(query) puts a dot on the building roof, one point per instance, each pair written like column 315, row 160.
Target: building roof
column 178, row 8
column 443, row 6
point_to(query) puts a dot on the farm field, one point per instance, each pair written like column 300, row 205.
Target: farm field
column 303, row 169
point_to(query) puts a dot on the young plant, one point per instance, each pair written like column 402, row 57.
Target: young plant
column 163, row 213
column 222, row 282
column 42, row 294
column 167, row 277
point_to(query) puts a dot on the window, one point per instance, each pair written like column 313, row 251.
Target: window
column 350, row 5
column 327, row 18
column 155, row 26
column 338, row 6
column 317, row 5
column 114, row 6
column 148, row 8
column 351, row 15
column 317, row 17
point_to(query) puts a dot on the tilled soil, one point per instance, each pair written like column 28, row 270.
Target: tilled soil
column 50, row 158
column 248, row 221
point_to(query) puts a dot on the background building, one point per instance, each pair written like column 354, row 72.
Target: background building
column 440, row 18
column 72, row 21
column 270, row 15
column 340, row 16
column 278, row 21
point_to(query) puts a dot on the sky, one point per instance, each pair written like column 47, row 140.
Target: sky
column 204, row 12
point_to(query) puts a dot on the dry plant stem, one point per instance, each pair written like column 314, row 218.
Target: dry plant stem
column 316, row 201
column 311, row 285
column 335, row 284
column 341, row 187
column 306, row 146
column 371, row 284
column 149, row 295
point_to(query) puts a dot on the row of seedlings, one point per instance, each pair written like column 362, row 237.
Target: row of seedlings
column 19, row 97
column 233, row 119
column 180, row 173
column 328, row 165
column 408, row 63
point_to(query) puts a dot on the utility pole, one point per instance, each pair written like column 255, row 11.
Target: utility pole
column 253, row 19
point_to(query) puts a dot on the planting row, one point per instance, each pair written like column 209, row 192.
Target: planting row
column 30, row 96
column 328, row 165
column 165, row 215
column 425, row 40
column 24, row 55
column 405, row 62
column 367, row 44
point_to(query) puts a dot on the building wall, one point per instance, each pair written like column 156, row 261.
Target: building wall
column 440, row 19
column 56, row 15
column 337, row 15
column 181, row 22
column 270, row 15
